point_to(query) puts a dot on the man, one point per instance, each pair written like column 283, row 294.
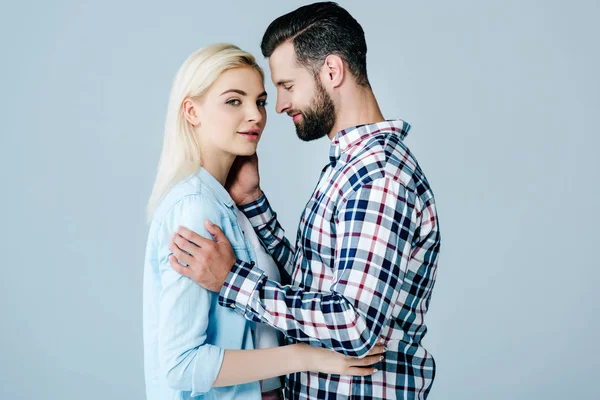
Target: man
column 365, row 260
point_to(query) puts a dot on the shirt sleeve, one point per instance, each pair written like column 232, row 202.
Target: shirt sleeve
column 187, row 361
column 272, row 235
column 374, row 230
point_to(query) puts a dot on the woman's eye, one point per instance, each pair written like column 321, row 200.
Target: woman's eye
column 234, row 102
column 261, row 103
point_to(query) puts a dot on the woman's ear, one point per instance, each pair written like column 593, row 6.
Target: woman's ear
column 190, row 111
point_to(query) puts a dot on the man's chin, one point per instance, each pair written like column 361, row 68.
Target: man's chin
column 305, row 136
column 299, row 130
column 301, row 135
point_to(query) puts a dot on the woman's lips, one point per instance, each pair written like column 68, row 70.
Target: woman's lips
column 251, row 135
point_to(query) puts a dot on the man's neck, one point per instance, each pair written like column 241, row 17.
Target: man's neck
column 357, row 107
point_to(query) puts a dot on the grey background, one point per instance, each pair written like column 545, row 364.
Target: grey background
column 503, row 99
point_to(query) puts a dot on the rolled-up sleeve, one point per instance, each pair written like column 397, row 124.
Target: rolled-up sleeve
column 187, row 361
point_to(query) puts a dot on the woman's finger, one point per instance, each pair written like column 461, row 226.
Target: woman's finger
column 358, row 371
column 368, row 360
column 377, row 349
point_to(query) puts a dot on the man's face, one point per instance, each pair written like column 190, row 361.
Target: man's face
column 301, row 95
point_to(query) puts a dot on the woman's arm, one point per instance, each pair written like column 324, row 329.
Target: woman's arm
column 187, row 361
column 243, row 366
column 191, row 364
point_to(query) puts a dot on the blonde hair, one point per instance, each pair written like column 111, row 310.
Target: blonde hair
column 181, row 152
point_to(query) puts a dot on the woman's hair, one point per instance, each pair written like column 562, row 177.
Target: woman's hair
column 181, row 152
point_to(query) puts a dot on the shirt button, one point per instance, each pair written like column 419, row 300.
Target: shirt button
column 252, row 263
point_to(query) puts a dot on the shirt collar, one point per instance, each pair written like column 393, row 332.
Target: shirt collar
column 215, row 187
column 349, row 137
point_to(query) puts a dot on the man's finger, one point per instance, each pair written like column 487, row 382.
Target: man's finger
column 180, row 269
column 192, row 236
column 216, row 231
column 180, row 255
column 185, row 244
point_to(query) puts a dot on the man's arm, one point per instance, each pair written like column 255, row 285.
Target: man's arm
column 267, row 227
column 375, row 228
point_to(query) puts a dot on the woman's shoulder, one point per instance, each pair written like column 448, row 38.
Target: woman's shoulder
column 190, row 196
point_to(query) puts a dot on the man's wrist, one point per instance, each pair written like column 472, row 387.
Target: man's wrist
column 239, row 284
column 251, row 198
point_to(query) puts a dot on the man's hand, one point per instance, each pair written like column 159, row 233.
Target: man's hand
column 243, row 181
column 208, row 262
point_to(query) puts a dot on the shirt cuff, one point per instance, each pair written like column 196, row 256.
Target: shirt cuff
column 206, row 369
column 259, row 212
column 243, row 279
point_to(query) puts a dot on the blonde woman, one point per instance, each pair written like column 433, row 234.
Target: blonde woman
column 192, row 346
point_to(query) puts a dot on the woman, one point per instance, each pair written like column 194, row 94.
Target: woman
column 192, row 346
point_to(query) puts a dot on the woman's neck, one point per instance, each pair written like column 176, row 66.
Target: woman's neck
column 218, row 165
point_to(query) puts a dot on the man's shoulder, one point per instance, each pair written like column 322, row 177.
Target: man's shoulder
column 382, row 155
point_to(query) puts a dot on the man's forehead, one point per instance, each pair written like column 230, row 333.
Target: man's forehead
column 285, row 51
column 284, row 56
column 283, row 62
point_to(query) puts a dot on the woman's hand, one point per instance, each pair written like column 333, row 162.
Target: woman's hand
column 329, row 362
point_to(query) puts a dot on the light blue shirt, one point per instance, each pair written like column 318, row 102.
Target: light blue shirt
column 185, row 329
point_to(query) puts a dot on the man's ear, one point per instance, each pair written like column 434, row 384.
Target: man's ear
column 333, row 71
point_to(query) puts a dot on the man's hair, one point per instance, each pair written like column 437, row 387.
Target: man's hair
column 316, row 31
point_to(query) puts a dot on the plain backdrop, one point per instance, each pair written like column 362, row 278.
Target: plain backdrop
column 503, row 99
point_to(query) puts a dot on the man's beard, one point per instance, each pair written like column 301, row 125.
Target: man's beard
column 317, row 120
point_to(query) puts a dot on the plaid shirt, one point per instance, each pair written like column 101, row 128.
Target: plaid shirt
column 363, row 267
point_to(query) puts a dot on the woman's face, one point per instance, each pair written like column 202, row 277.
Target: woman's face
column 231, row 115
